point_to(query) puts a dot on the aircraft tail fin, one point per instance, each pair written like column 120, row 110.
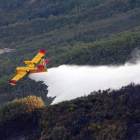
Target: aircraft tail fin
column 46, row 62
column 43, row 64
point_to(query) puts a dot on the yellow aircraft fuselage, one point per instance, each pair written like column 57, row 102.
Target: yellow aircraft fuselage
column 30, row 67
column 29, row 70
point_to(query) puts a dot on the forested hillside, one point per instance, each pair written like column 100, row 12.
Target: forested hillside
column 72, row 32
column 82, row 32
column 103, row 115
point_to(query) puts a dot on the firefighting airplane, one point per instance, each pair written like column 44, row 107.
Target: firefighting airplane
column 30, row 67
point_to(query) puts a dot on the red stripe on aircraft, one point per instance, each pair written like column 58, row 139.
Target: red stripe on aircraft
column 40, row 67
column 12, row 81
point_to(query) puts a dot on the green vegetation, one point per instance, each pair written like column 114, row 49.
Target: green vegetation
column 19, row 115
column 9, row 93
column 101, row 115
column 115, row 49
column 82, row 32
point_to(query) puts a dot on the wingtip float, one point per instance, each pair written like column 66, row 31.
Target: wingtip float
column 30, row 67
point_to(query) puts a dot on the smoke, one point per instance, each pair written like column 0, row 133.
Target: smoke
column 67, row 82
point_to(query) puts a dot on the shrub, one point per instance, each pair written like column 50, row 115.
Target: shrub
column 19, row 115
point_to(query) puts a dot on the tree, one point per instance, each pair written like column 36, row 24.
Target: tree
column 19, row 115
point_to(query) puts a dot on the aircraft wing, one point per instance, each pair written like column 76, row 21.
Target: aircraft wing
column 17, row 77
column 38, row 56
column 36, row 59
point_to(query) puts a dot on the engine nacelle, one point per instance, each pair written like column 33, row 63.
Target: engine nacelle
column 28, row 62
